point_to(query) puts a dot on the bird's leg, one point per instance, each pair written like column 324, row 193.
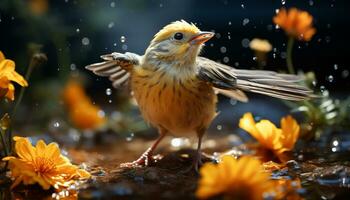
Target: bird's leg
column 146, row 157
column 197, row 160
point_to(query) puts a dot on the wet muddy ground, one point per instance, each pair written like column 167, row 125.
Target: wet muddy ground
column 323, row 175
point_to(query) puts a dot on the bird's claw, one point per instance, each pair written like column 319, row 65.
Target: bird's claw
column 143, row 161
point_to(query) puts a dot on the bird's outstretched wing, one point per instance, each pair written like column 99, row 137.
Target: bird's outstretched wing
column 225, row 78
column 116, row 66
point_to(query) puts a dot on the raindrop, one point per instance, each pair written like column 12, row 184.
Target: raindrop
column 122, row 39
column 254, row 58
column 110, row 101
column 245, row 42
column 242, row 6
column 245, row 21
column 77, row 30
column 322, row 88
column 130, row 137
column 311, row 2
column 277, row 27
column 283, row 2
column 335, row 66
column 283, row 55
column 110, row 25
column 330, row 78
column 229, row 23
column 226, row 59
column 85, row 41
column 108, row 91
column 233, row 102
column 223, row 49
column 124, row 47
column 73, row 67
column 277, row 11
column 219, row 127
column 101, row 113
column 345, row 73
column 56, row 124
column 112, row 4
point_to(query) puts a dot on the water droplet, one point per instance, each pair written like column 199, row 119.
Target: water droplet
column 77, row 30
column 236, row 64
column 245, row 42
column 101, row 113
column 277, row 11
column 85, row 41
column 311, row 2
column 108, row 91
column 73, row 67
column 330, row 78
column 335, row 143
column 113, row 4
column 283, row 2
column 277, row 27
column 217, row 35
column 233, row 102
column 245, row 21
column 345, row 73
column 335, row 66
column 161, row 5
column 229, row 23
column 223, row 49
column 255, row 58
column 56, row 124
column 283, row 55
column 274, row 55
column 122, row 39
column 110, row 25
column 322, row 88
column 130, row 137
column 242, row 6
column 226, row 59
column 110, row 101
column 115, row 44
column 219, row 127
column 125, row 47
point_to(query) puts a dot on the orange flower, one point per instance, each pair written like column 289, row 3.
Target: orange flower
column 42, row 164
column 82, row 112
column 234, row 179
column 295, row 23
column 269, row 136
column 8, row 74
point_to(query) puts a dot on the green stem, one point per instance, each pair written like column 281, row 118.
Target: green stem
column 289, row 55
column 36, row 60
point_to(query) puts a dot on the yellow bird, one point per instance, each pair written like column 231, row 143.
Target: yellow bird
column 176, row 89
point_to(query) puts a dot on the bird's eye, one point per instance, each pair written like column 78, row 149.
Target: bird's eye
column 178, row 36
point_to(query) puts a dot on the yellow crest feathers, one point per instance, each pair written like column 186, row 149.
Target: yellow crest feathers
column 177, row 26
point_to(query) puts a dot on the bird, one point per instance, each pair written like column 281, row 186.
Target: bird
column 176, row 89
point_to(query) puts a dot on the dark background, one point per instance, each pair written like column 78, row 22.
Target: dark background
column 62, row 29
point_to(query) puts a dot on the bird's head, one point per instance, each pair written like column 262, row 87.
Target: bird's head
column 178, row 42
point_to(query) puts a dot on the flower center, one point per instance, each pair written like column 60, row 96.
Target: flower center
column 43, row 165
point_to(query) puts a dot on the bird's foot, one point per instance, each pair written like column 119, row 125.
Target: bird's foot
column 196, row 164
column 144, row 160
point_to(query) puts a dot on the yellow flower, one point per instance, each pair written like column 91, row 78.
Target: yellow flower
column 260, row 45
column 234, row 179
column 38, row 7
column 42, row 164
column 269, row 136
column 295, row 23
column 82, row 112
column 8, row 74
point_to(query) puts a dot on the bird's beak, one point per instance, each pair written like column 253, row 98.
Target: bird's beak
column 201, row 37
